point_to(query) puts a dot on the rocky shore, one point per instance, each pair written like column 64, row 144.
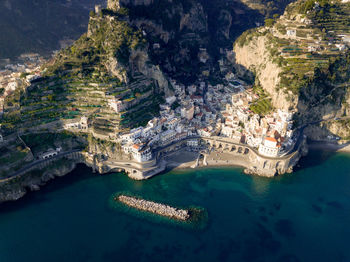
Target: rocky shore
column 153, row 207
column 17, row 187
column 14, row 189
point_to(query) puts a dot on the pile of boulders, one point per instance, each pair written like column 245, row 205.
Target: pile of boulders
column 153, row 207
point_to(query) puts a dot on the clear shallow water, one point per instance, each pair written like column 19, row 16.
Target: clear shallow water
column 300, row 217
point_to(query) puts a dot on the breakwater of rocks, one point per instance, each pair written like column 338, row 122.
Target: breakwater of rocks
column 153, row 207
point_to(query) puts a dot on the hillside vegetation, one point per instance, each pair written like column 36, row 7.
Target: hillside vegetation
column 302, row 58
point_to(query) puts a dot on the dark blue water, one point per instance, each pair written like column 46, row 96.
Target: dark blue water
column 304, row 216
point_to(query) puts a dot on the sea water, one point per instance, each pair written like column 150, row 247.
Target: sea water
column 304, row 216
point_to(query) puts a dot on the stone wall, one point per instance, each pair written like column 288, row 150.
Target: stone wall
column 269, row 167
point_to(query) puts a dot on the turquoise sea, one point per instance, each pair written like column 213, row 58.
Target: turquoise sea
column 304, row 216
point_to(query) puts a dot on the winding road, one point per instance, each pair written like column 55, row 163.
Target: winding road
column 37, row 163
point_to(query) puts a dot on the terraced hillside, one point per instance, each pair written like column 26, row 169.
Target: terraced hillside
column 109, row 63
column 302, row 60
column 13, row 157
column 127, row 55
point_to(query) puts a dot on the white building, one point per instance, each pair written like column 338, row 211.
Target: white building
column 12, row 86
column 167, row 137
column 242, row 116
column 284, row 115
column 154, row 139
column 187, row 112
column 192, row 143
column 170, row 100
column 313, row 48
column 227, row 131
column 51, row 153
column 97, row 9
column 291, row 32
column 306, row 21
column 82, row 124
column 197, row 99
column 230, row 76
column 141, row 154
column 132, row 135
column 147, row 132
column 180, row 136
column 254, row 141
column 345, row 38
column 116, row 105
column 203, row 55
column 341, row 47
column 191, row 89
column 269, row 147
column 204, row 132
column 172, row 123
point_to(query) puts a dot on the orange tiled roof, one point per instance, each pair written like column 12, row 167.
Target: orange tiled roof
column 270, row 139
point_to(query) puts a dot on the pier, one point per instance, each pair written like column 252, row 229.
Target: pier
column 153, row 207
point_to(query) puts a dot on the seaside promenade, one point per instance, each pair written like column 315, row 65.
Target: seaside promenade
column 218, row 151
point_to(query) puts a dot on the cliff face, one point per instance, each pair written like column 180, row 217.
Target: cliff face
column 301, row 61
column 256, row 58
column 266, row 7
column 128, row 54
column 16, row 188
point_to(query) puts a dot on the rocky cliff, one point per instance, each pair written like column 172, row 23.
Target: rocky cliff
column 256, row 58
column 128, row 54
column 301, row 61
column 16, row 188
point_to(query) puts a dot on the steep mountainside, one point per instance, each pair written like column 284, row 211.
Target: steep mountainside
column 115, row 76
column 39, row 26
column 182, row 27
column 266, row 7
column 302, row 61
column 129, row 53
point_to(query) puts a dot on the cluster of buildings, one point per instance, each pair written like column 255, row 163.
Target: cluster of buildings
column 28, row 65
column 185, row 114
column 272, row 134
column 198, row 110
column 312, row 41
column 203, row 111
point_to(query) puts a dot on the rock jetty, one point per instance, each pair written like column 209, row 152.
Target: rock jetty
column 153, row 207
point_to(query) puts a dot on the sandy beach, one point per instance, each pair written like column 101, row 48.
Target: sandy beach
column 185, row 159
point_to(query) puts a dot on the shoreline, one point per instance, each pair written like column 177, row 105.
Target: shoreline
column 329, row 146
column 214, row 160
column 178, row 160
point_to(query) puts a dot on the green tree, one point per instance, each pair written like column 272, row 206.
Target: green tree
column 269, row 22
